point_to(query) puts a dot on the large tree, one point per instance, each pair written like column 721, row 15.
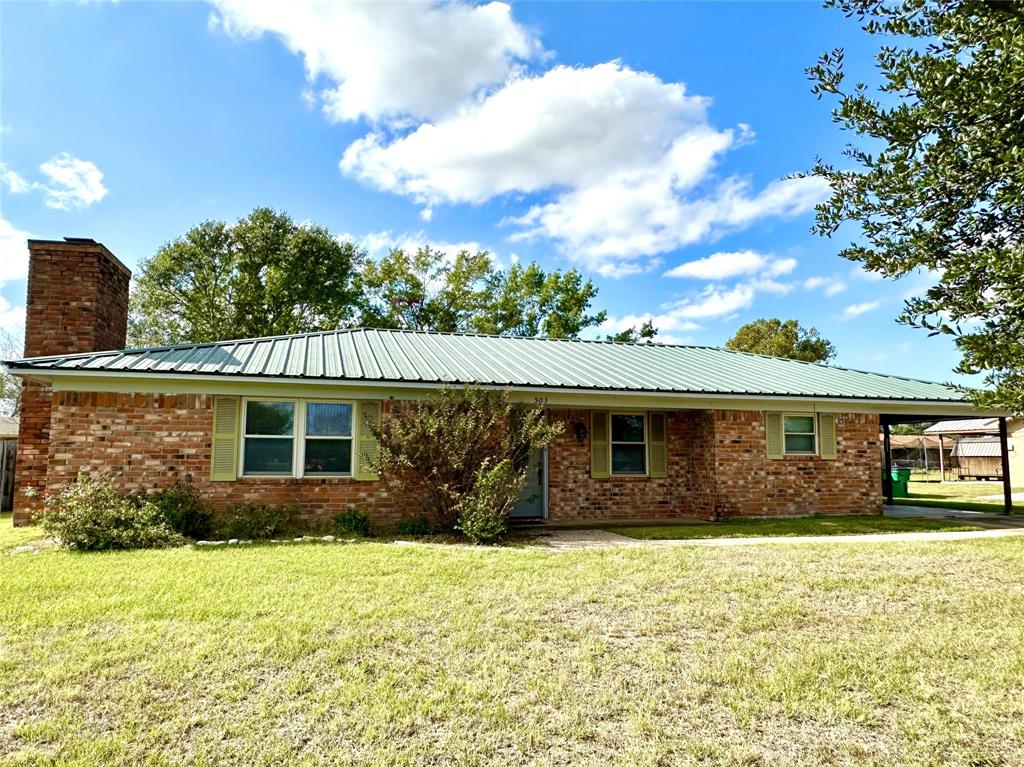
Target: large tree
column 427, row 290
column 935, row 178
column 778, row 338
column 264, row 275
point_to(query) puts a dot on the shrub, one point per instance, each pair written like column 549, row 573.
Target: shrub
column 436, row 449
column 253, row 521
column 483, row 512
column 413, row 526
column 183, row 511
column 352, row 522
column 91, row 515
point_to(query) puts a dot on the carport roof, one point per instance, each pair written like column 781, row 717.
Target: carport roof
column 428, row 358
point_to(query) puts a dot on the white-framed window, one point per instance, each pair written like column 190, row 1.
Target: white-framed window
column 629, row 443
column 799, row 434
column 328, row 438
column 297, row 438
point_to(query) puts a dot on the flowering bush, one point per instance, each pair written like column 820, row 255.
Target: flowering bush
column 91, row 515
column 437, row 450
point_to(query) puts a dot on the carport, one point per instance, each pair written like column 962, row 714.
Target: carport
column 888, row 420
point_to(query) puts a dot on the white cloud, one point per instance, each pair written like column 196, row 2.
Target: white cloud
column 612, row 225
column 15, row 182
column 720, row 266
column 13, row 252
column 714, row 301
column 830, row 285
column 73, row 183
column 12, row 318
column 664, row 322
column 390, row 60
column 855, row 310
column 619, row 164
column 13, row 266
column 621, row 150
column 568, row 127
column 380, row 243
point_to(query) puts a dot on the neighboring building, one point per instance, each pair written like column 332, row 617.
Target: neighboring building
column 653, row 431
column 916, row 451
column 977, row 435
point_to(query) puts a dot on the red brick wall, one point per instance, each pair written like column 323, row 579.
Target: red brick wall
column 149, row 441
column 574, row 495
column 77, row 302
column 749, row 484
column 717, row 465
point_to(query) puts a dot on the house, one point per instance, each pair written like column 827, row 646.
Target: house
column 653, row 431
column 976, row 447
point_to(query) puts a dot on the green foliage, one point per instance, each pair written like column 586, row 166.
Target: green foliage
column 483, row 511
column 182, row 510
column 911, row 428
column 413, row 526
column 249, row 521
column 91, row 515
column 265, row 275
column 633, row 336
column 428, row 291
column 778, row 338
column 352, row 522
column 432, row 450
column 11, row 348
column 936, row 183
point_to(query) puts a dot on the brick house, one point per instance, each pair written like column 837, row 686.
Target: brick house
column 652, row 431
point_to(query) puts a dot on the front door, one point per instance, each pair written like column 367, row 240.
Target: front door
column 531, row 501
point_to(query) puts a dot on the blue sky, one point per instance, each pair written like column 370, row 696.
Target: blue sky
column 645, row 144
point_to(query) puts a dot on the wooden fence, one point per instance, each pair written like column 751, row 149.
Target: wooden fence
column 7, row 450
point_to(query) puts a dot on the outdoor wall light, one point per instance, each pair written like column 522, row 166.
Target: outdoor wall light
column 581, row 431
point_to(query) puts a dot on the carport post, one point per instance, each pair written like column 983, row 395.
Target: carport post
column 887, row 477
column 1005, row 459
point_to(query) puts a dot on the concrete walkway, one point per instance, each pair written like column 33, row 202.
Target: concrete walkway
column 996, row 526
column 980, row 518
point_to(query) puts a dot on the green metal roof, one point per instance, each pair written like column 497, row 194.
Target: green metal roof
column 395, row 356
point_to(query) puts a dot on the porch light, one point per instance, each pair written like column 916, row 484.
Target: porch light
column 581, row 431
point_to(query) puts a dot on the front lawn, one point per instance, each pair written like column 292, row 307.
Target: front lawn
column 746, row 528
column 379, row 654
column 959, row 495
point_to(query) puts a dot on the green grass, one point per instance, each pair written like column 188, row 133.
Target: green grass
column 377, row 654
column 743, row 528
column 957, row 495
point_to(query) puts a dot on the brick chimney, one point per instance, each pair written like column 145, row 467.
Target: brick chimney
column 77, row 302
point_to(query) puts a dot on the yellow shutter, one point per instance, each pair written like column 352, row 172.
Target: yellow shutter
column 773, row 435
column 224, row 449
column 600, row 455
column 827, row 436
column 367, row 447
column 657, row 445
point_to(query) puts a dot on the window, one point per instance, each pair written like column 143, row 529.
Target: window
column 269, row 438
column 296, row 438
column 798, row 434
column 328, row 447
column 629, row 447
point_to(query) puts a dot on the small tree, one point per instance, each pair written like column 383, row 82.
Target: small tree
column 462, row 454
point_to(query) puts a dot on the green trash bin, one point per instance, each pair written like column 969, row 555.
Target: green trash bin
column 900, row 478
